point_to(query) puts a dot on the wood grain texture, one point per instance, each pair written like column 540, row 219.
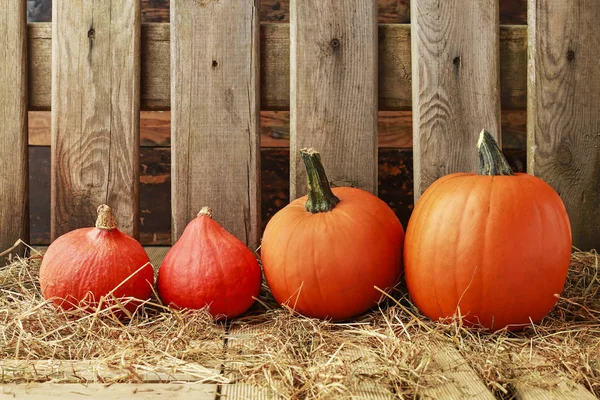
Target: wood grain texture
column 461, row 380
column 394, row 129
column 456, row 84
column 333, row 80
column 216, row 143
column 95, row 113
column 564, row 122
column 389, row 11
column 552, row 388
column 100, row 371
column 14, row 223
column 100, row 391
column 395, row 77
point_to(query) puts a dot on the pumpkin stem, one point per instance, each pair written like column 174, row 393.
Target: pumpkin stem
column 491, row 160
column 320, row 196
column 106, row 219
column 205, row 212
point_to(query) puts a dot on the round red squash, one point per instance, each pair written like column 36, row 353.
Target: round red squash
column 324, row 253
column 493, row 247
column 86, row 264
column 208, row 266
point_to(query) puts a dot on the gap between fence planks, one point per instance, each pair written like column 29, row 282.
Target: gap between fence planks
column 215, row 116
column 394, row 66
column 564, row 118
column 95, row 110
column 14, row 210
column 456, row 85
column 333, row 92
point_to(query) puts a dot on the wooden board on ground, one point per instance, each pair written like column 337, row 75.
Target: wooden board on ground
column 456, row 81
column 333, row 99
column 539, row 382
column 461, row 381
column 71, row 391
column 95, row 113
column 215, row 115
column 551, row 388
column 81, row 371
column 14, row 195
column 564, row 122
column 394, row 71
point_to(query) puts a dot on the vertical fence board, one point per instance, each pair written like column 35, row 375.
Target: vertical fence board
column 14, row 197
column 95, row 112
column 215, row 114
column 333, row 75
column 563, row 108
column 456, row 84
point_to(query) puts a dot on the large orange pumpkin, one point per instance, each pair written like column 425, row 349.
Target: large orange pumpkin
column 324, row 253
column 84, row 265
column 209, row 267
column 493, row 247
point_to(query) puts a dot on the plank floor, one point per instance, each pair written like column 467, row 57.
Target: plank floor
column 203, row 382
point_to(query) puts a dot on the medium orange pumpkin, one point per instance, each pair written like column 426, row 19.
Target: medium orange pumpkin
column 493, row 247
column 324, row 253
column 86, row 264
column 208, row 266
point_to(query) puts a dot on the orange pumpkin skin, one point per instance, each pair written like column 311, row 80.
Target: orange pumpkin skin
column 498, row 247
column 88, row 263
column 325, row 265
column 208, row 266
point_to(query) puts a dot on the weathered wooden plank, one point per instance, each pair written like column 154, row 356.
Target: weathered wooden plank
column 461, row 381
column 564, row 122
column 95, row 113
column 334, row 91
column 394, row 11
column 98, row 371
column 390, row 11
column 99, row 391
column 216, row 148
column 540, row 381
column 14, row 194
column 394, row 74
column 551, row 388
column 456, row 81
column 394, row 129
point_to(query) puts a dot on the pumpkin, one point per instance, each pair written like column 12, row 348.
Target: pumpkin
column 492, row 247
column 325, row 254
column 83, row 266
column 208, row 266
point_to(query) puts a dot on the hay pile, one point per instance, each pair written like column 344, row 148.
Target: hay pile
column 271, row 347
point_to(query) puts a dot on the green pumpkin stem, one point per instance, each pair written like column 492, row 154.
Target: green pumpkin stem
column 491, row 160
column 320, row 196
column 106, row 219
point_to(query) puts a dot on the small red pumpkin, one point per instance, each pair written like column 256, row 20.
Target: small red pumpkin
column 208, row 266
column 324, row 253
column 495, row 245
column 86, row 264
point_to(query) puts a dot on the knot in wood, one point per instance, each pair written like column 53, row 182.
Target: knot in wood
column 570, row 55
column 92, row 33
column 335, row 43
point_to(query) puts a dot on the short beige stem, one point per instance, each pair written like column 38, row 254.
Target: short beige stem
column 205, row 212
column 106, row 219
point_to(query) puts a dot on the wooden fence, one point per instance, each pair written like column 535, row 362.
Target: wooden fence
column 215, row 67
